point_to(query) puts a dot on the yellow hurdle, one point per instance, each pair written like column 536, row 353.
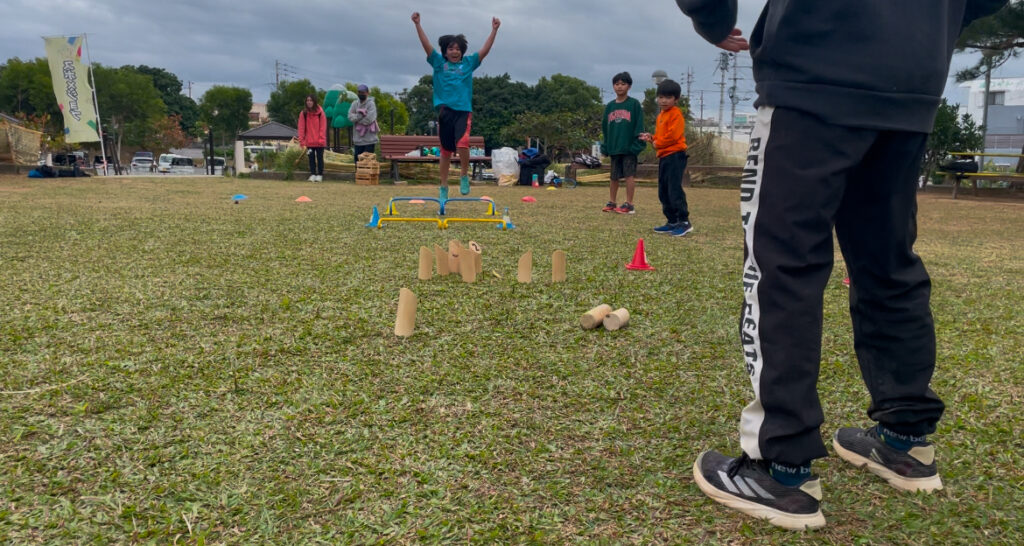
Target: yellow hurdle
column 446, row 221
column 438, row 221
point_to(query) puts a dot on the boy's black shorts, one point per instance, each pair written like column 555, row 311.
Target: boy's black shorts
column 453, row 128
column 623, row 166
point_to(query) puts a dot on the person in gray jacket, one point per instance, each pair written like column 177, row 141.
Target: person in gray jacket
column 846, row 96
column 363, row 115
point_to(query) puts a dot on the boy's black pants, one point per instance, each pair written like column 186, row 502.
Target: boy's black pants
column 804, row 177
column 670, row 187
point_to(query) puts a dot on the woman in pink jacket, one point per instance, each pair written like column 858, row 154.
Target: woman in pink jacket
column 313, row 136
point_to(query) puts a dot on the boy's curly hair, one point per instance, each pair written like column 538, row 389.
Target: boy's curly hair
column 447, row 39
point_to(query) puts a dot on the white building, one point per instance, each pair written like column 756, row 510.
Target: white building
column 1005, row 132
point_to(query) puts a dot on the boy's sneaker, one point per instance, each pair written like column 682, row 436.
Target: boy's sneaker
column 610, row 206
column 312, row 178
column 682, row 228
column 666, row 229
column 464, row 185
column 913, row 470
column 443, row 193
column 744, row 484
column 625, row 208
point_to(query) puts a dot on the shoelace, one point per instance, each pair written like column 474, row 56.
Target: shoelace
column 738, row 463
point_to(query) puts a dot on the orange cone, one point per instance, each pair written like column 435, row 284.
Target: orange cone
column 639, row 262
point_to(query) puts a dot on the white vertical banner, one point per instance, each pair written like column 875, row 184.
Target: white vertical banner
column 71, row 87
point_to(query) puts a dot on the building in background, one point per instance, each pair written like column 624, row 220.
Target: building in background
column 1005, row 114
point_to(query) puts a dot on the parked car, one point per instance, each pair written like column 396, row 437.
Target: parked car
column 98, row 162
column 142, row 161
column 181, row 165
column 163, row 164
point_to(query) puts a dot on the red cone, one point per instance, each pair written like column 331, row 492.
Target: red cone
column 639, row 262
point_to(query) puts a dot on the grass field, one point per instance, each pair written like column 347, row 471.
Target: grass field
column 178, row 368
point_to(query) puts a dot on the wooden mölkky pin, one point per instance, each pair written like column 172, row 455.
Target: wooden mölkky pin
column 558, row 266
column 406, row 321
column 477, row 251
column 526, row 267
column 616, row 319
column 441, row 257
column 454, row 253
column 593, row 318
column 426, row 270
column 467, row 266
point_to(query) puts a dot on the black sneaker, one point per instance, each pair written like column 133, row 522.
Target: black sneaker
column 914, row 470
column 610, row 206
column 744, row 484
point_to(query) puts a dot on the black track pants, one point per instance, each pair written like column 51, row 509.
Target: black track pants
column 804, row 177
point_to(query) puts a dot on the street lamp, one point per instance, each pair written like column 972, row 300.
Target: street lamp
column 659, row 76
column 431, row 125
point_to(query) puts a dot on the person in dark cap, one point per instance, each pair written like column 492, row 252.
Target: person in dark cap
column 363, row 115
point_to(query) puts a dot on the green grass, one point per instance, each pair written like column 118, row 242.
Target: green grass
column 204, row 372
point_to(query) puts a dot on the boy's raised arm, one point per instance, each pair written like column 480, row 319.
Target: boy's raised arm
column 423, row 35
column 495, row 23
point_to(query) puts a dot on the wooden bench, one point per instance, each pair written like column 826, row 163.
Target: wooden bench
column 1014, row 179
column 394, row 147
column 651, row 169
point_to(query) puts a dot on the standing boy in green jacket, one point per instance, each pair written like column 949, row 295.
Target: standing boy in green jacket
column 621, row 126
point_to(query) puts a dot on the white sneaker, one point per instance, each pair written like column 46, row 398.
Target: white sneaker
column 312, row 178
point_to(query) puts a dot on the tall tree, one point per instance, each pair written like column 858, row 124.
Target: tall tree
column 287, row 100
column 26, row 88
column 497, row 101
column 170, row 88
column 950, row 134
column 419, row 103
column 998, row 37
column 226, row 110
column 561, row 93
column 560, row 133
column 130, row 105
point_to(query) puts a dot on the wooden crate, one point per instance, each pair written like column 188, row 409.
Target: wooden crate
column 368, row 169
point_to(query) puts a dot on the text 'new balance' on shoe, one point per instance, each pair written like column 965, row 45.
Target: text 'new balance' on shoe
column 745, row 485
column 913, row 470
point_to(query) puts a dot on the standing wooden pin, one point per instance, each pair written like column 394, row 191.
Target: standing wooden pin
column 526, row 267
column 406, row 321
column 426, row 264
column 441, row 257
column 558, row 266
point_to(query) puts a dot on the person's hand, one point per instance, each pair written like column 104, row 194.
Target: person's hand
column 646, row 137
column 495, row 23
column 416, row 17
column 735, row 42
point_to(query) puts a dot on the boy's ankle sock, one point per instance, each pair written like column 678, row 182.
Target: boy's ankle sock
column 790, row 476
column 898, row 441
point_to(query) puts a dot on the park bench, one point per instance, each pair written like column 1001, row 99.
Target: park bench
column 1014, row 179
column 650, row 170
column 395, row 147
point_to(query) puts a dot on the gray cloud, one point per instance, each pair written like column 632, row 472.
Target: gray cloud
column 374, row 42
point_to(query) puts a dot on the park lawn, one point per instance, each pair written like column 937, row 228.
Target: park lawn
column 179, row 368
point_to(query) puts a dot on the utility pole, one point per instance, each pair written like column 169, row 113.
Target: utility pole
column 723, row 67
column 277, row 72
column 702, row 108
column 689, row 84
column 190, row 89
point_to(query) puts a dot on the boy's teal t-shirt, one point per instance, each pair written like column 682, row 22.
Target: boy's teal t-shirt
column 453, row 82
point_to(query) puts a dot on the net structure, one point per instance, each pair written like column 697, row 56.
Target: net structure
column 19, row 145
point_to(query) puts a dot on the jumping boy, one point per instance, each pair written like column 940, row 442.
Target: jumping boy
column 669, row 140
column 847, row 95
column 621, row 126
column 453, row 96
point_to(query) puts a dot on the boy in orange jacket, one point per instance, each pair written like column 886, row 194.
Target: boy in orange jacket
column 669, row 141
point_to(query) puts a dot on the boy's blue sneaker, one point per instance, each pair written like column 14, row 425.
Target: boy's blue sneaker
column 682, row 228
column 745, row 485
column 443, row 194
column 911, row 470
column 666, row 229
column 464, row 185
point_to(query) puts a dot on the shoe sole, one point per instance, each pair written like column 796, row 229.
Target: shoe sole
column 912, row 485
column 626, row 211
column 662, row 232
column 793, row 522
column 683, row 234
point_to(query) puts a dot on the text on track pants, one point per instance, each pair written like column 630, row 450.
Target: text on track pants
column 802, row 177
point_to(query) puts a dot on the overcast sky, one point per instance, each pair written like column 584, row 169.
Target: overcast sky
column 374, row 41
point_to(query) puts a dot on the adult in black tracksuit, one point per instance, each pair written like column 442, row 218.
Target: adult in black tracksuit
column 846, row 96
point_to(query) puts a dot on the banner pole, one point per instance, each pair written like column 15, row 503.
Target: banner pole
column 96, row 103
